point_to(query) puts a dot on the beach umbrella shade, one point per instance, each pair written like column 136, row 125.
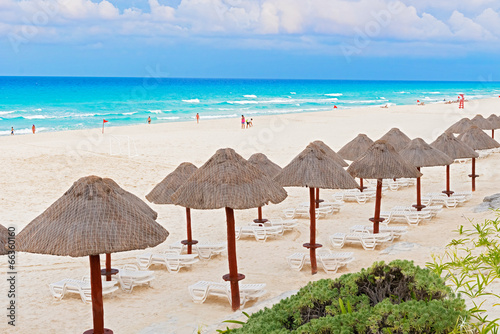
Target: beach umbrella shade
column 461, row 126
column 476, row 139
column 108, row 271
column 313, row 168
column 381, row 161
column 455, row 149
column 91, row 218
column 482, row 122
column 266, row 166
column 162, row 192
column 4, row 239
column 354, row 149
column 495, row 122
column 229, row 181
column 334, row 156
column 396, row 138
column 420, row 154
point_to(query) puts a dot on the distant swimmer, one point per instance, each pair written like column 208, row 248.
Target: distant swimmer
column 149, row 119
column 197, row 118
column 33, row 128
column 12, row 131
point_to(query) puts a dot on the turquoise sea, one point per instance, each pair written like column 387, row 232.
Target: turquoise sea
column 64, row 103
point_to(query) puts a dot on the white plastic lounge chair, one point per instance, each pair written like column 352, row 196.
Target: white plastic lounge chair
column 201, row 290
column 173, row 261
column 287, row 224
column 352, row 195
column 449, row 202
column 130, row 276
column 81, row 287
column 411, row 217
column 368, row 240
column 395, row 231
column 433, row 209
column 261, row 233
column 462, row 197
column 205, row 250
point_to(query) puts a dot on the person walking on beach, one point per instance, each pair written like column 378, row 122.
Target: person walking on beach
column 149, row 119
column 197, row 118
column 12, row 131
column 242, row 121
column 33, row 128
column 251, row 122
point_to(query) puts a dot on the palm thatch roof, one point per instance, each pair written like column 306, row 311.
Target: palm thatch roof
column 132, row 198
column 381, row 161
column 454, row 148
column 356, row 147
column 313, row 167
column 494, row 120
column 331, row 153
column 477, row 139
column 4, row 237
column 421, row 154
column 482, row 123
column 266, row 166
column 461, row 126
column 162, row 191
column 91, row 218
column 396, row 138
column 228, row 180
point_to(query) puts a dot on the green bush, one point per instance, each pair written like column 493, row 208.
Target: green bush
column 387, row 298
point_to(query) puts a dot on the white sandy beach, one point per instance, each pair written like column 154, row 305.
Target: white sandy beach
column 38, row 169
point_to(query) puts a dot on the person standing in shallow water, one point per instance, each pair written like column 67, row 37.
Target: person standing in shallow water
column 243, row 122
column 12, row 131
column 197, row 118
column 33, row 128
column 149, row 119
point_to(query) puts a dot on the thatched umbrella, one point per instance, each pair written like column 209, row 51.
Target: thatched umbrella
column 482, row 122
column 381, row 161
column 266, row 166
column 4, row 238
column 91, row 218
column 495, row 122
column 354, row 149
column 477, row 140
column 396, row 138
column 334, row 156
column 108, row 271
column 228, row 181
column 454, row 148
column 461, row 126
column 421, row 154
column 162, row 191
column 314, row 168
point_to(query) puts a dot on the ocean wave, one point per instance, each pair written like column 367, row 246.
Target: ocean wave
column 155, row 111
column 170, row 117
column 22, row 131
column 403, row 92
column 362, row 101
column 431, row 92
column 293, row 93
column 219, row 116
column 250, row 96
column 334, row 94
column 129, row 113
column 7, row 112
column 382, row 98
column 191, row 101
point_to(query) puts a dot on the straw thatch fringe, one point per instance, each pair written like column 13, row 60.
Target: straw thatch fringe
column 482, row 123
column 453, row 147
column 381, row 161
column 4, row 237
column 461, row 126
column 228, row 180
column 477, row 139
column 396, row 138
column 266, row 166
column 356, row 147
column 494, row 120
column 91, row 218
column 331, row 153
column 314, row 168
column 421, row 154
column 162, row 192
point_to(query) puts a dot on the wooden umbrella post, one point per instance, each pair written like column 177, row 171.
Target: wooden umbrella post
column 361, row 188
column 189, row 242
column 108, row 271
column 473, row 175
column 312, row 245
column 378, row 199
column 448, row 191
column 493, row 133
column 233, row 277
column 317, row 198
column 259, row 220
column 96, row 293
column 419, row 205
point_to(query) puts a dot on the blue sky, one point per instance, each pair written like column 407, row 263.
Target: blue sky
column 309, row 39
